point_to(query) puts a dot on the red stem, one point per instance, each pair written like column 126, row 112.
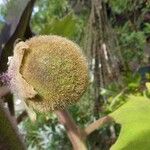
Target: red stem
column 75, row 135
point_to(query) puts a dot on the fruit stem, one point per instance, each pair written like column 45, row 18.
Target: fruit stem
column 76, row 136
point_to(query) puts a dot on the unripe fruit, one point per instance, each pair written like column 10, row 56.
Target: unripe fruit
column 56, row 69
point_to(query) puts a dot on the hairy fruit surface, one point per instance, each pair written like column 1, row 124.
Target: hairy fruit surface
column 57, row 70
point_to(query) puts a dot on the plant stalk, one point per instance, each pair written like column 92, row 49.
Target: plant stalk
column 97, row 124
column 76, row 136
column 9, row 135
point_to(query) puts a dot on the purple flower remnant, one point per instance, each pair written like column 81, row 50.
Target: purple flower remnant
column 5, row 79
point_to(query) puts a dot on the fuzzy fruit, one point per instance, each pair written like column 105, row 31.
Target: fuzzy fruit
column 57, row 70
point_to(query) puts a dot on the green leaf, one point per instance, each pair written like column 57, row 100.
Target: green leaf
column 147, row 28
column 134, row 117
column 119, row 6
column 65, row 27
column 147, row 85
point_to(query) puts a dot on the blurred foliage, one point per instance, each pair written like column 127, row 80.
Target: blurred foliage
column 57, row 17
column 117, row 94
column 147, row 28
column 127, row 19
column 132, row 42
column 119, row 6
column 46, row 133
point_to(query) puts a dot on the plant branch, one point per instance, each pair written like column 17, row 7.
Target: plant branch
column 97, row 124
column 4, row 90
column 10, row 101
column 22, row 116
column 76, row 136
column 9, row 135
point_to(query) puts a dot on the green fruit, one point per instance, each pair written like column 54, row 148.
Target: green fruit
column 57, row 70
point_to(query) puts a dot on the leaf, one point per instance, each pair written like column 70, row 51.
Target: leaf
column 65, row 27
column 134, row 117
column 116, row 100
column 147, row 85
column 147, row 28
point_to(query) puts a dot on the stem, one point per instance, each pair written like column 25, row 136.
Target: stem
column 97, row 124
column 21, row 116
column 76, row 136
column 10, row 101
column 4, row 90
column 9, row 135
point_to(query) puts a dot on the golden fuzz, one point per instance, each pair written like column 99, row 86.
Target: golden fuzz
column 57, row 70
